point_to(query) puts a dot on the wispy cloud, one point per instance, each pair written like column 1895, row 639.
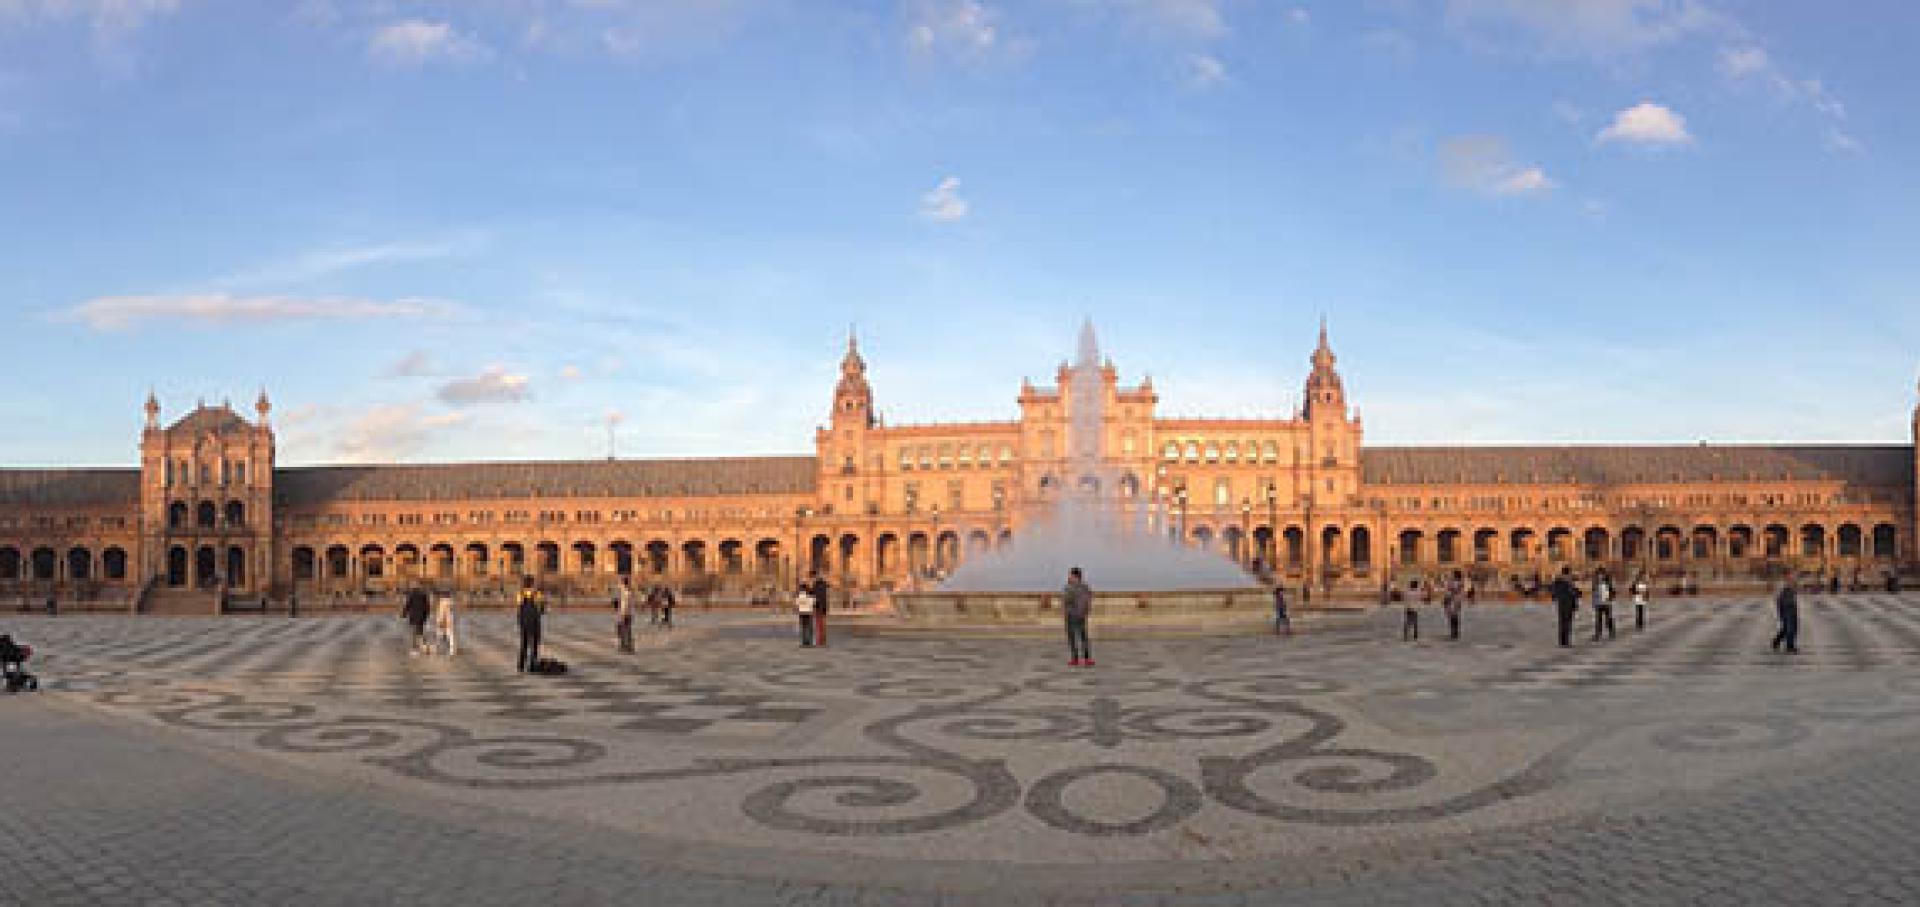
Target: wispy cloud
column 416, row 364
column 1592, row 29
column 1205, row 71
column 112, row 313
column 493, row 385
column 416, row 42
column 1486, row 164
column 1647, row 123
column 331, row 260
column 943, row 204
column 958, row 29
column 1750, row 64
column 390, row 432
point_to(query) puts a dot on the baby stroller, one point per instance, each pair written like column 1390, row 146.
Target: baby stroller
column 13, row 664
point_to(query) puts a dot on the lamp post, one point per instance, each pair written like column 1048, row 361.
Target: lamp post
column 934, row 541
column 1246, row 532
column 1180, row 502
column 1272, row 553
column 800, row 515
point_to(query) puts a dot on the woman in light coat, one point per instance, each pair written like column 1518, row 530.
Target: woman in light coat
column 443, row 624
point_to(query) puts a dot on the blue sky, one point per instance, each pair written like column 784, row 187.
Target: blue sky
column 453, row 230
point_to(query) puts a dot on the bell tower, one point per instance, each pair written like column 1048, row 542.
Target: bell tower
column 848, row 470
column 1333, row 432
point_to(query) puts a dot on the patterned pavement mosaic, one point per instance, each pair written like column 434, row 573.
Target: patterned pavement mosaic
column 956, row 764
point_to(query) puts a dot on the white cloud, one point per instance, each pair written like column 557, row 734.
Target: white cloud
column 963, row 29
column 1182, row 19
column 1582, row 28
column 1647, row 123
column 109, row 313
column 417, row 364
column 1485, row 164
column 942, row 203
column 328, row 261
column 1299, row 16
column 103, row 15
column 1205, row 70
column 1749, row 64
column 416, row 42
column 493, row 385
column 390, row 432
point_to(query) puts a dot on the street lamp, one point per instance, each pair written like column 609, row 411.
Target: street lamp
column 935, row 567
column 1246, row 532
column 1180, row 502
column 1272, row 552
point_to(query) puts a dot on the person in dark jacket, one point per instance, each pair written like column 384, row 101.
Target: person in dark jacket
column 1282, row 623
column 417, row 609
column 533, row 607
column 1076, row 603
column 1566, row 600
column 822, row 597
column 1786, row 604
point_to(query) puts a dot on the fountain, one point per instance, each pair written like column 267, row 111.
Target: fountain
column 1139, row 573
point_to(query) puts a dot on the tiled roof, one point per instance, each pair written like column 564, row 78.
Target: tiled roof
column 1890, row 465
column 69, row 487
column 313, row 485
column 217, row 419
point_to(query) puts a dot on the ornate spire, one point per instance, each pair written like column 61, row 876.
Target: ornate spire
column 263, row 406
column 1325, row 392
column 153, row 409
column 851, row 363
column 853, row 397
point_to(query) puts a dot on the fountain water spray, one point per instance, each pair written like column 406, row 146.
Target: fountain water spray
column 1094, row 524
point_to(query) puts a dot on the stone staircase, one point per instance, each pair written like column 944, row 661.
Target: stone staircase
column 164, row 601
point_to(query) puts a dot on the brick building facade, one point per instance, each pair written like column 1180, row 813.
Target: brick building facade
column 880, row 505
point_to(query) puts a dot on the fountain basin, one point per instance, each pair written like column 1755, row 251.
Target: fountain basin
column 1181, row 608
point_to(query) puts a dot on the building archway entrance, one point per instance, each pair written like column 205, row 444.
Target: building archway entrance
column 176, row 566
column 206, row 567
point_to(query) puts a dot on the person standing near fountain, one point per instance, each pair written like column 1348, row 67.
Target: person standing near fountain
column 1076, row 602
column 1281, row 622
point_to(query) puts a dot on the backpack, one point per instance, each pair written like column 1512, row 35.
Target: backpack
column 549, row 666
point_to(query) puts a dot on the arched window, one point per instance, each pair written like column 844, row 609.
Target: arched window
column 206, row 515
column 236, row 514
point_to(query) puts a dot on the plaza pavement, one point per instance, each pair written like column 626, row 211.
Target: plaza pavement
column 268, row 760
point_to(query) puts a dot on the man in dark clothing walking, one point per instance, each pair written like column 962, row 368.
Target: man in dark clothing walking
column 822, row 594
column 533, row 606
column 1786, row 604
column 416, row 610
column 1566, row 600
column 1076, row 602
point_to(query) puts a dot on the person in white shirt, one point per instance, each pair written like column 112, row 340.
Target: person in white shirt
column 1602, row 604
column 623, row 615
column 443, row 624
column 1640, row 601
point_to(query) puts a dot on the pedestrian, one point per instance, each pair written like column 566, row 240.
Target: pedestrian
column 1602, row 604
column 533, row 607
column 623, row 614
column 1453, row 601
column 53, row 605
column 667, row 601
column 653, row 604
column 416, row 610
column 1281, row 622
column 443, row 623
column 822, row 598
column 1410, row 625
column 803, row 607
column 1566, row 600
column 1640, row 590
column 293, row 604
column 1833, row 584
column 1076, row 603
column 1786, row 605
